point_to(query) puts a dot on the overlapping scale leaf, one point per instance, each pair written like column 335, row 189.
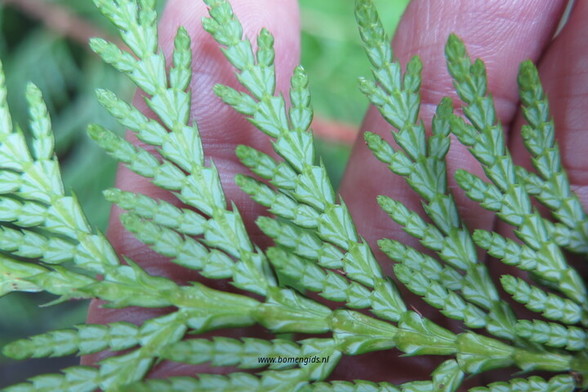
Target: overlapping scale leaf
column 449, row 303
column 553, row 334
column 204, row 382
column 550, row 305
column 355, row 386
column 563, row 383
column 306, row 275
column 84, row 339
column 29, row 244
column 43, row 142
column 183, row 220
column 427, row 265
column 78, row 378
column 14, row 276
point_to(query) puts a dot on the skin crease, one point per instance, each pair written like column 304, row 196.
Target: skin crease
column 502, row 33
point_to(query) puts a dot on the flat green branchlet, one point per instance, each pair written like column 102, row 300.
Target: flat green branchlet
column 49, row 245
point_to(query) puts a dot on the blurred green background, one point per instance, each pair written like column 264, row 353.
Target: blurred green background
column 44, row 41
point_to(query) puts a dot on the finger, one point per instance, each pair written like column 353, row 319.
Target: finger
column 502, row 33
column 564, row 74
column 563, row 69
column 221, row 128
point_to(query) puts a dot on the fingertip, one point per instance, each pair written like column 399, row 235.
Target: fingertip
column 502, row 33
column 221, row 127
column 280, row 17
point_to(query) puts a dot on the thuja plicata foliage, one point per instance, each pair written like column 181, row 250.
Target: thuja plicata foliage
column 48, row 245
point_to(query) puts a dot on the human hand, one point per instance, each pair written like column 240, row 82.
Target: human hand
column 501, row 33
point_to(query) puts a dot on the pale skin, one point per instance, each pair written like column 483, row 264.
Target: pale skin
column 502, row 33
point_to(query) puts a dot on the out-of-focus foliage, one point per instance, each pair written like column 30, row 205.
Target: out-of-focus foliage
column 330, row 47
